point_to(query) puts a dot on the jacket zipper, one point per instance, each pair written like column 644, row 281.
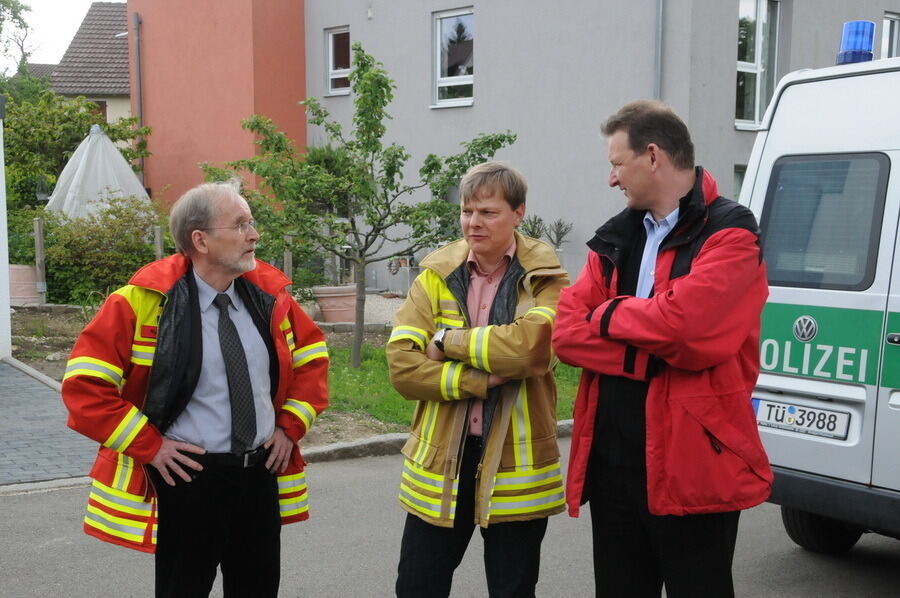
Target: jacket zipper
column 713, row 441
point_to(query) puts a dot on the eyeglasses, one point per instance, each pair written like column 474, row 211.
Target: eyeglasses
column 242, row 227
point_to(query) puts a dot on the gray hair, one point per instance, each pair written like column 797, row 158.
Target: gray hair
column 196, row 210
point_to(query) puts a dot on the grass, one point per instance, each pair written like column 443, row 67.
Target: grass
column 368, row 389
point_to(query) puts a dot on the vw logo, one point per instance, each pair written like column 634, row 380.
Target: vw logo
column 805, row 329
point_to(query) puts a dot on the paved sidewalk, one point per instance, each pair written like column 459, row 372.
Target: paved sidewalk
column 35, row 443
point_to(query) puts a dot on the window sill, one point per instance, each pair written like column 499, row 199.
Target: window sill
column 453, row 104
column 340, row 92
column 747, row 126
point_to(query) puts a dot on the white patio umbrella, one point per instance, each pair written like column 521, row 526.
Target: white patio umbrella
column 96, row 173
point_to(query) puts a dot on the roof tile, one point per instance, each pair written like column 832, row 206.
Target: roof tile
column 96, row 62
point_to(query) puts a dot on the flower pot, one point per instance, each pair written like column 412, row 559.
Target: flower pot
column 23, row 285
column 336, row 304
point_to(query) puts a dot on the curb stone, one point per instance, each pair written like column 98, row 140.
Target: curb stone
column 376, row 446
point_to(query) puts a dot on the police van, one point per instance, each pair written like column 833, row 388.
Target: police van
column 823, row 180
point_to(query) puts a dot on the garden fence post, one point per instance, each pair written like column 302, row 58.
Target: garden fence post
column 288, row 258
column 41, row 284
column 158, row 241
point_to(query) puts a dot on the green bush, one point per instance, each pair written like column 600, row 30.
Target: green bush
column 87, row 258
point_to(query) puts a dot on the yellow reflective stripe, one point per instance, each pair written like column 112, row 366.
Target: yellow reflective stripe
column 416, row 335
column 547, row 312
column 293, row 505
column 128, row 529
column 424, row 479
column 521, row 429
column 121, row 501
column 285, row 326
column 531, row 478
column 89, row 366
column 423, row 504
column 445, row 322
column 288, row 484
column 449, row 306
column 142, row 354
column 450, row 375
column 302, row 410
column 124, row 469
column 478, row 347
column 127, row 429
column 528, row 503
column 418, row 471
column 307, row 353
column 428, row 421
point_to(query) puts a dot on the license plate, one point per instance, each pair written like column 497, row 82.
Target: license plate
column 802, row 419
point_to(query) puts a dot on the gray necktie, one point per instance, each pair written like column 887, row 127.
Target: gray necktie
column 243, row 413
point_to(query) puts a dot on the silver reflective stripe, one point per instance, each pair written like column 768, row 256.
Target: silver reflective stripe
column 452, row 366
column 296, row 503
column 435, row 485
column 124, row 473
column 497, row 505
column 305, row 409
column 85, row 365
column 479, row 353
column 309, row 352
column 520, row 420
column 119, row 527
column 402, row 331
column 145, row 354
column 424, row 504
column 136, row 418
column 449, row 306
column 137, row 505
column 532, row 479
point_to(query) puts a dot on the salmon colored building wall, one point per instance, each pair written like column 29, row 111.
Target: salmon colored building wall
column 205, row 66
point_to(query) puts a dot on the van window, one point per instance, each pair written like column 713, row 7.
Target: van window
column 822, row 220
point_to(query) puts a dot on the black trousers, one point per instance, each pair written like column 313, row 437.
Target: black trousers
column 429, row 554
column 635, row 553
column 227, row 516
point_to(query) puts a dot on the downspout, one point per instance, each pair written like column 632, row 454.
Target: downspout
column 138, row 101
column 657, row 70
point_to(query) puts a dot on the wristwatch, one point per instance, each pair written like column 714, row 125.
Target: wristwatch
column 438, row 339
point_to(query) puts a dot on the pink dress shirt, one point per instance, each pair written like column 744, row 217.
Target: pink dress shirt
column 482, row 290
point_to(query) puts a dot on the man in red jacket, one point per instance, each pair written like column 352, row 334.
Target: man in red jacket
column 664, row 320
column 198, row 379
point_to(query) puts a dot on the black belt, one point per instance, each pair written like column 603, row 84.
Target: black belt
column 248, row 459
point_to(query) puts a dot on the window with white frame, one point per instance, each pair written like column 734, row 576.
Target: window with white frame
column 756, row 52
column 890, row 35
column 454, row 67
column 338, row 52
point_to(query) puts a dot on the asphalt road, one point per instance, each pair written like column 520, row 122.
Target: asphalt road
column 349, row 549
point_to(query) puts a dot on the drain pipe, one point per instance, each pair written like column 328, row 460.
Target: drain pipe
column 657, row 66
column 138, row 101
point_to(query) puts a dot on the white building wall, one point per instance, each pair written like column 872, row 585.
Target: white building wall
column 117, row 107
column 552, row 72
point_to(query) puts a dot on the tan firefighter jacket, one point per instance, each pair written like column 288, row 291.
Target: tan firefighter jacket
column 519, row 475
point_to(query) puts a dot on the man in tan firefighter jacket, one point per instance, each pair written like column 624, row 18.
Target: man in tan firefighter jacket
column 471, row 344
column 198, row 379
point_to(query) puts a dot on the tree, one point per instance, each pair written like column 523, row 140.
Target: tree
column 13, row 27
column 357, row 205
column 42, row 135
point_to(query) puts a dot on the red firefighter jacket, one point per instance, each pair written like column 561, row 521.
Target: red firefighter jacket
column 697, row 342
column 122, row 383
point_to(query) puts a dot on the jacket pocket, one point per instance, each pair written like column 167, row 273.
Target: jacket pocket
column 712, row 458
column 534, row 453
column 419, row 450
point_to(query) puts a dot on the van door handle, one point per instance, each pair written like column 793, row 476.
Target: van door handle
column 893, row 338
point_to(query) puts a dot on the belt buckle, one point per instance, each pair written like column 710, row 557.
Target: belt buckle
column 246, row 459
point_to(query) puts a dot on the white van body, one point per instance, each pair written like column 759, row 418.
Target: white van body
column 824, row 183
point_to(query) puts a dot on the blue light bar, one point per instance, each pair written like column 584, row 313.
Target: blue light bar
column 857, row 42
